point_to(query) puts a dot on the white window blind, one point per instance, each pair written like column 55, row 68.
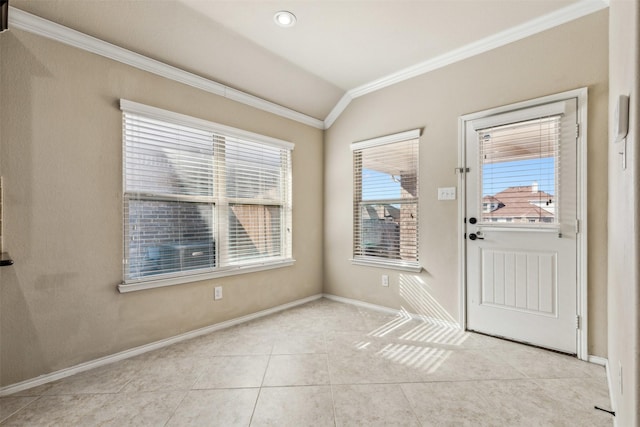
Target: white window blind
column 257, row 189
column 200, row 198
column 385, row 205
column 520, row 165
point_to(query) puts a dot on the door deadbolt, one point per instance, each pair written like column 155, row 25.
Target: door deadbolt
column 472, row 220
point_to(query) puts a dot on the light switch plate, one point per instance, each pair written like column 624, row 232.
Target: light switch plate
column 447, row 193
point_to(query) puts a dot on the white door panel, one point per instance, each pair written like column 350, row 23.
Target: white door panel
column 522, row 261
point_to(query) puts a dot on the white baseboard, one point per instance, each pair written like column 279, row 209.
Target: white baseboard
column 136, row 351
column 67, row 372
column 393, row 311
column 598, row 360
column 612, row 401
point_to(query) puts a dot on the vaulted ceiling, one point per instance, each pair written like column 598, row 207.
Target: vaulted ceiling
column 337, row 49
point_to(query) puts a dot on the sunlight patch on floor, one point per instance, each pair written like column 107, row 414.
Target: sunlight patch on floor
column 426, row 359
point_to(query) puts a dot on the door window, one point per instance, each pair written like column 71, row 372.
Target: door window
column 519, row 164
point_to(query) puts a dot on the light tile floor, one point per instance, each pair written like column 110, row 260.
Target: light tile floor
column 326, row 363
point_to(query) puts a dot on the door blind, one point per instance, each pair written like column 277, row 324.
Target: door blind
column 520, row 165
column 385, row 206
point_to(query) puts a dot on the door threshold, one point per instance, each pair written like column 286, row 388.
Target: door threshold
column 528, row 344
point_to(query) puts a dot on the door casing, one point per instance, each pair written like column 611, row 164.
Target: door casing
column 581, row 166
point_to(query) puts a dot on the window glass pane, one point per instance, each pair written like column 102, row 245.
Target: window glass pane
column 389, row 171
column 379, row 185
column 168, row 237
column 389, row 231
column 253, row 171
column 254, row 232
column 519, row 165
column 197, row 199
column 386, row 201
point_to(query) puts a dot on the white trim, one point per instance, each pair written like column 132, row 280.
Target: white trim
column 384, row 140
column 583, row 249
column 554, row 109
column 519, row 32
column 575, row 93
column 393, row 311
column 413, row 268
column 279, row 110
column 359, row 303
column 582, row 238
column 186, row 278
column 337, row 110
column 597, row 360
column 182, row 119
column 582, row 168
column 136, row 351
column 462, row 213
column 612, row 400
column 25, row 21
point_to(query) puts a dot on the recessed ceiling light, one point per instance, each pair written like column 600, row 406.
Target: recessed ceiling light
column 285, row 19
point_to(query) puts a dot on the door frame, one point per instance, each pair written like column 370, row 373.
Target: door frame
column 581, row 95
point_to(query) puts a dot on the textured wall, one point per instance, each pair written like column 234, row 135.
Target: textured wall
column 567, row 57
column 61, row 157
column 624, row 214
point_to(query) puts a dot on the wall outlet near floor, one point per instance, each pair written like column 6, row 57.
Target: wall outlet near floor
column 385, row 280
column 217, row 293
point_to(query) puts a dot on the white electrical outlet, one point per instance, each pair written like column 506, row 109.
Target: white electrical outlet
column 217, row 293
column 447, row 193
column 385, row 280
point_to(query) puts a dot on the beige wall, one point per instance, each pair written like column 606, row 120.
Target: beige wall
column 624, row 211
column 60, row 155
column 567, row 57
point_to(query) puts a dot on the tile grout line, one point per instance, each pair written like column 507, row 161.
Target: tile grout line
column 333, row 400
column 264, row 375
column 186, row 393
column 36, row 398
column 333, row 321
column 404, row 393
column 173, row 413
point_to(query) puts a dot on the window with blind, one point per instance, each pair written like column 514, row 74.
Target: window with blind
column 385, row 203
column 201, row 199
column 519, row 170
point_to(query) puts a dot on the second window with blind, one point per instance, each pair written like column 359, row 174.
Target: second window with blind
column 201, row 199
column 385, row 201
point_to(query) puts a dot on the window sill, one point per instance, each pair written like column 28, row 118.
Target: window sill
column 413, row 268
column 230, row 271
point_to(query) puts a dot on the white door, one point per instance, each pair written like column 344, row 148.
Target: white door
column 521, row 225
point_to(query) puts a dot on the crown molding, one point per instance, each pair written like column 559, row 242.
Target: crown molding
column 25, row 21
column 543, row 23
column 262, row 104
column 337, row 110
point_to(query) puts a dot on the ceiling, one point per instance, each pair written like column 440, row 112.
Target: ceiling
column 336, row 47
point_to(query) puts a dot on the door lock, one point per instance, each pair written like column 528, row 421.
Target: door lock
column 472, row 220
column 474, row 236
